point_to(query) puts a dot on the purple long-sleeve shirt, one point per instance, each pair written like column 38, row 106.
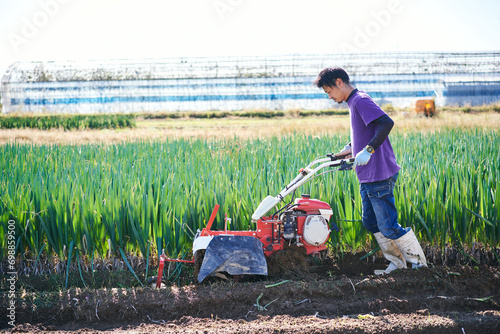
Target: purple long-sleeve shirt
column 363, row 111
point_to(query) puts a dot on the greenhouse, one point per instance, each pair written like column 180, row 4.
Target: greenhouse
column 239, row 83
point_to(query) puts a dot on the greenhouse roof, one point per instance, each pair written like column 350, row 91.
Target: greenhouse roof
column 238, row 67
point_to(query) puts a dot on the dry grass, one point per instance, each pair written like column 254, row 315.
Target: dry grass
column 243, row 128
column 486, row 120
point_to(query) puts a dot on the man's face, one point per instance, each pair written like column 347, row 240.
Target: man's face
column 334, row 93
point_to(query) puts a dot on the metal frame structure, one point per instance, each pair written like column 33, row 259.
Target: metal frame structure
column 236, row 83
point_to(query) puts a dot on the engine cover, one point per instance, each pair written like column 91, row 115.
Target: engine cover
column 316, row 230
column 313, row 206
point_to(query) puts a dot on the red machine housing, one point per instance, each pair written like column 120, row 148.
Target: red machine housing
column 270, row 229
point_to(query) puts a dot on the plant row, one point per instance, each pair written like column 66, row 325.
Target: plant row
column 68, row 122
column 102, row 201
column 244, row 114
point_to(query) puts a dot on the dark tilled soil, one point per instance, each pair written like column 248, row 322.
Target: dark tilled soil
column 337, row 296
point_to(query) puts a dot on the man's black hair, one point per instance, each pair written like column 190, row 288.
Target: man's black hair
column 329, row 76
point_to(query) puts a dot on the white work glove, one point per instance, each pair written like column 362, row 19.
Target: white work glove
column 362, row 158
column 347, row 150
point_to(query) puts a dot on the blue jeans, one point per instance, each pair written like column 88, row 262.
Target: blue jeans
column 379, row 209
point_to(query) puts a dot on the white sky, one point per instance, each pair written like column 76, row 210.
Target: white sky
column 124, row 29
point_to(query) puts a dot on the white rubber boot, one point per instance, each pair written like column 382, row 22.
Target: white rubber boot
column 411, row 249
column 391, row 252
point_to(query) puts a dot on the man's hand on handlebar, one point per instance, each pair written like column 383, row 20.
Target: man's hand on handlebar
column 346, row 152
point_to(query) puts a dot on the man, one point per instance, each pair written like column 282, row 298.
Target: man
column 377, row 170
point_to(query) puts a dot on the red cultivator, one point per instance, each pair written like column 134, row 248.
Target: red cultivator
column 303, row 223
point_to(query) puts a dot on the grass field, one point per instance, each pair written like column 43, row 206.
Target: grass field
column 116, row 193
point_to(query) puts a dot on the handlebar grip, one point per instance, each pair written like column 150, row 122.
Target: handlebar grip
column 346, row 164
column 340, row 157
